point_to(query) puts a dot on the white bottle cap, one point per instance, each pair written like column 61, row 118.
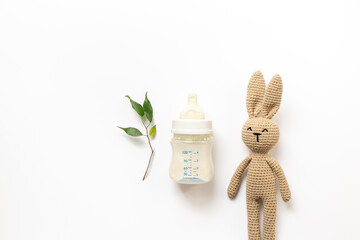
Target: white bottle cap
column 192, row 119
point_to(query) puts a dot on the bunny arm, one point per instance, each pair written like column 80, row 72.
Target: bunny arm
column 236, row 178
column 283, row 184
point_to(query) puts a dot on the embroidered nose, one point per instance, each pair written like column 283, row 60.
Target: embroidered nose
column 257, row 136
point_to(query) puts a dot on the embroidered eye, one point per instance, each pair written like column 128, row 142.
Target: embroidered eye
column 249, row 128
column 264, row 130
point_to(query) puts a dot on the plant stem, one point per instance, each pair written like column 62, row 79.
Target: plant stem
column 152, row 150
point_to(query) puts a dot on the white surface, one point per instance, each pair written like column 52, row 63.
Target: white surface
column 67, row 172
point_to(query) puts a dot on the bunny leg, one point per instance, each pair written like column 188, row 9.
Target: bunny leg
column 253, row 209
column 269, row 218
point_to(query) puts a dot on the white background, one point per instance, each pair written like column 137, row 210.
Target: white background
column 67, row 172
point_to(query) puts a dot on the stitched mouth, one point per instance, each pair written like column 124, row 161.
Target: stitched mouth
column 257, row 136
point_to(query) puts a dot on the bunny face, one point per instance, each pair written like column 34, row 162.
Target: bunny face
column 260, row 134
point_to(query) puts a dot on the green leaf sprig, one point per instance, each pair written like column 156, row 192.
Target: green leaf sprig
column 145, row 112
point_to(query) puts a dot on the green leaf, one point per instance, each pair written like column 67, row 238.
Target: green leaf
column 148, row 109
column 153, row 130
column 132, row 131
column 136, row 106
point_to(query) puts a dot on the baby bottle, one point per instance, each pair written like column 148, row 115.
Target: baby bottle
column 192, row 144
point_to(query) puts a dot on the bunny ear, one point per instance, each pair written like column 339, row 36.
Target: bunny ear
column 272, row 97
column 255, row 94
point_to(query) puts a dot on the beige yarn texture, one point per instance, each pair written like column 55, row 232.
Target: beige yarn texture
column 260, row 134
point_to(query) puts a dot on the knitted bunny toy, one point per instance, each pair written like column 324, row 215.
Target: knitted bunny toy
column 260, row 134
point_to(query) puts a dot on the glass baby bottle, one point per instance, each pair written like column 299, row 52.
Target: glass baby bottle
column 192, row 145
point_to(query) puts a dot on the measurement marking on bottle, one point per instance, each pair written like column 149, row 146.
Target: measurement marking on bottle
column 191, row 160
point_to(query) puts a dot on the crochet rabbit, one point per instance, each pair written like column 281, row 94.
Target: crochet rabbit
column 260, row 134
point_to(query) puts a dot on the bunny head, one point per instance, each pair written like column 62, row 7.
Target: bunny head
column 260, row 133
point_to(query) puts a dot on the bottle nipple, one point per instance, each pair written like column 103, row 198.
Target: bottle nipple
column 192, row 110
